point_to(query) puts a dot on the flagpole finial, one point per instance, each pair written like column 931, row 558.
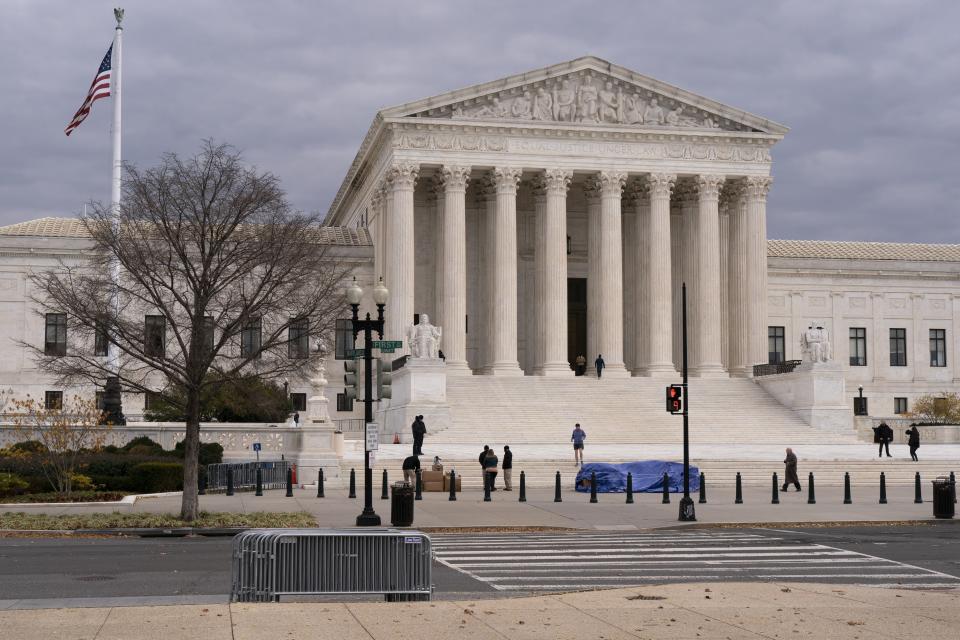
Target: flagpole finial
column 118, row 14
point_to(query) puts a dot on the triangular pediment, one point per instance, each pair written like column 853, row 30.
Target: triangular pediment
column 586, row 91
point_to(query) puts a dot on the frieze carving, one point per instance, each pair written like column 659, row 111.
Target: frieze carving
column 585, row 97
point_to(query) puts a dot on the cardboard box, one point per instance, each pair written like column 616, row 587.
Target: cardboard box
column 431, row 476
column 431, row 486
column 446, row 483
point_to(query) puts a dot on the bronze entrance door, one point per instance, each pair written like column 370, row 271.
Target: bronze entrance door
column 576, row 318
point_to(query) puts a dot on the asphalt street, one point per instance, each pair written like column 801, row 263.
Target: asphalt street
column 43, row 572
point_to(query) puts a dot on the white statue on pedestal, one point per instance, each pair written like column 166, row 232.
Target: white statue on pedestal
column 815, row 345
column 424, row 339
column 317, row 404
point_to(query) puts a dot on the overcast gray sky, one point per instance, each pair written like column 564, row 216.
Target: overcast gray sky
column 870, row 89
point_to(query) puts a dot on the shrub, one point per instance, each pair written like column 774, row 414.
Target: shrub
column 28, row 446
column 145, row 450
column 210, row 452
column 12, row 485
column 144, row 446
column 112, row 471
column 80, row 482
column 155, row 477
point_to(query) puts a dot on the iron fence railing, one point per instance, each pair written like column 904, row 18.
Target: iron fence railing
column 772, row 369
column 273, row 475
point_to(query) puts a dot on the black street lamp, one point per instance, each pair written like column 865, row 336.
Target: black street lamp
column 367, row 518
column 687, row 510
column 860, row 411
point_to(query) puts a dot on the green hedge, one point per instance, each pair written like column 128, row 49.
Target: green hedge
column 155, row 477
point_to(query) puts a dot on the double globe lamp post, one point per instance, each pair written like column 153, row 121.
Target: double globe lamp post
column 367, row 518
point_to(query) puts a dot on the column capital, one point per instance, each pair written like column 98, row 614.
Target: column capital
column 757, row 187
column 402, row 175
column 506, row 179
column 454, row 178
column 708, row 185
column 732, row 194
column 637, row 191
column 485, row 188
column 611, row 183
column 557, row 180
column 661, row 184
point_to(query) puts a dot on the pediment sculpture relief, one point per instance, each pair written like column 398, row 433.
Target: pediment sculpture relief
column 586, row 98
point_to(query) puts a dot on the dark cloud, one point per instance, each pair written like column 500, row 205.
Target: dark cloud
column 868, row 88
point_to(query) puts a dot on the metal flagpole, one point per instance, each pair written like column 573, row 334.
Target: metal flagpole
column 112, row 397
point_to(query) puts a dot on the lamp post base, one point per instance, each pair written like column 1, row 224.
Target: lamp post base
column 687, row 511
column 368, row 519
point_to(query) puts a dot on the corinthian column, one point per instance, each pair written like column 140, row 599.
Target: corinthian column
column 591, row 191
column 757, row 188
column 551, row 273
column 637, row 243
column 401, row 178
column 739, row 307
column 453, row 303
column 610, row 338
column 505, row 274
column 708, row 277
column 658, row 290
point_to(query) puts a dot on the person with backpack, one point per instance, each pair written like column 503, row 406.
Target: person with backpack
column 913, row 440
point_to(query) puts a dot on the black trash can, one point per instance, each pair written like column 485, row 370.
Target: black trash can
column 943, row 492
column 401, row 504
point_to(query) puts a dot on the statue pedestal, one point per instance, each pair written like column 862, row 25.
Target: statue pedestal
column 316, row 451
column 419, row 388
column 816, row 392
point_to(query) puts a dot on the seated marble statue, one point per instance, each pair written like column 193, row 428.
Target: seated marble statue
column 653, row 114
column 815, row 345
column 424, row 339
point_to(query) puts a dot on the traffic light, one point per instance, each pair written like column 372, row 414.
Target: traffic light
column 384, row 374
column 351, row 379
column 675, row 398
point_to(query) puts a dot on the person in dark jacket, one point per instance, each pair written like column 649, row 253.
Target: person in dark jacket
column 599, row 364
column 419, row 430
column 790, row 471
column 884, row 435
column 483, row 454
column 411, row 464
column 913, row 440
column 490, row 462
column 507, row 467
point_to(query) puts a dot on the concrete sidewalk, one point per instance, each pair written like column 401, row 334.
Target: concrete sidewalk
column 611, row 512
column 674, row 612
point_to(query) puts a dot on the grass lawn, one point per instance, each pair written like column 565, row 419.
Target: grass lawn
column 257, row 520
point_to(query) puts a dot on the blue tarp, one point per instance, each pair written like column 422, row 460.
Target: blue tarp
column 647, row 476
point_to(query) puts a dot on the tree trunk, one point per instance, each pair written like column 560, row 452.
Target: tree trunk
column 190, row 505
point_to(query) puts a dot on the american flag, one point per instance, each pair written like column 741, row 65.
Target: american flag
column 99, row 88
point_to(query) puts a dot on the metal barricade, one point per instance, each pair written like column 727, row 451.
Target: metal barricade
column 270, row 563
column 245, row 475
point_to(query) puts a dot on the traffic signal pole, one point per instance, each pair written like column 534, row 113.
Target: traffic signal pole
column 687, row 511
column 368, row 517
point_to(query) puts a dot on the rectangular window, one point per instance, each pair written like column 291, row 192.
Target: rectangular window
column 344, row 403
column 298, row 338
column 55, row 337
column 858, row 347
column 100, row 340
column 150, row 399
column 898, row 347
column 938, row 347
column 775, row 345
column 250, row 338
column 344, row 338
column 899, row 405
column 98, row 398
column 154, row 336
column 299, row 401
column 53, row 400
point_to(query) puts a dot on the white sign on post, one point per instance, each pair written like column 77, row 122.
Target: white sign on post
column 373, row 437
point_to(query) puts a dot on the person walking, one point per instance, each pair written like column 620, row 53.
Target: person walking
column 599, row 364
column 581, row 365
column 419, row 429
column 411, row 464
column 913, row 439
column 483, row 454
column 579, row 435
column 884, row 434
column 507, row 467
column 490, row 463
column 790, row 472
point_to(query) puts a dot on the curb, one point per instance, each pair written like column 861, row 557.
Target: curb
column 125, row 500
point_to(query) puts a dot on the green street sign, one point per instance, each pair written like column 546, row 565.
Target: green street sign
column 354, row 353
column 383, row 350
column 387, row 344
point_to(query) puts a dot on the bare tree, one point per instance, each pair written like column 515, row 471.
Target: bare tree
column 219, row 278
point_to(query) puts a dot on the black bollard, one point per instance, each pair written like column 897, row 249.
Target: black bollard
column 776, row 490
column 418, row 494
column 320, row 483
column 883, row 488
column 593, row 487
column 666, row 489
column 629, row 488
column 202, row 484
column 453, row 485
column 384, row 492
column 486, row 487
column 917, row 494
column 811, row 492
column 289, row 493
column 738, row 499
column 523, row 487
column 353, row 484
column 703, row 489
column 229, row 481
column 556, row 490
column 259, row 491
column 953, row 483
column 846, row 488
